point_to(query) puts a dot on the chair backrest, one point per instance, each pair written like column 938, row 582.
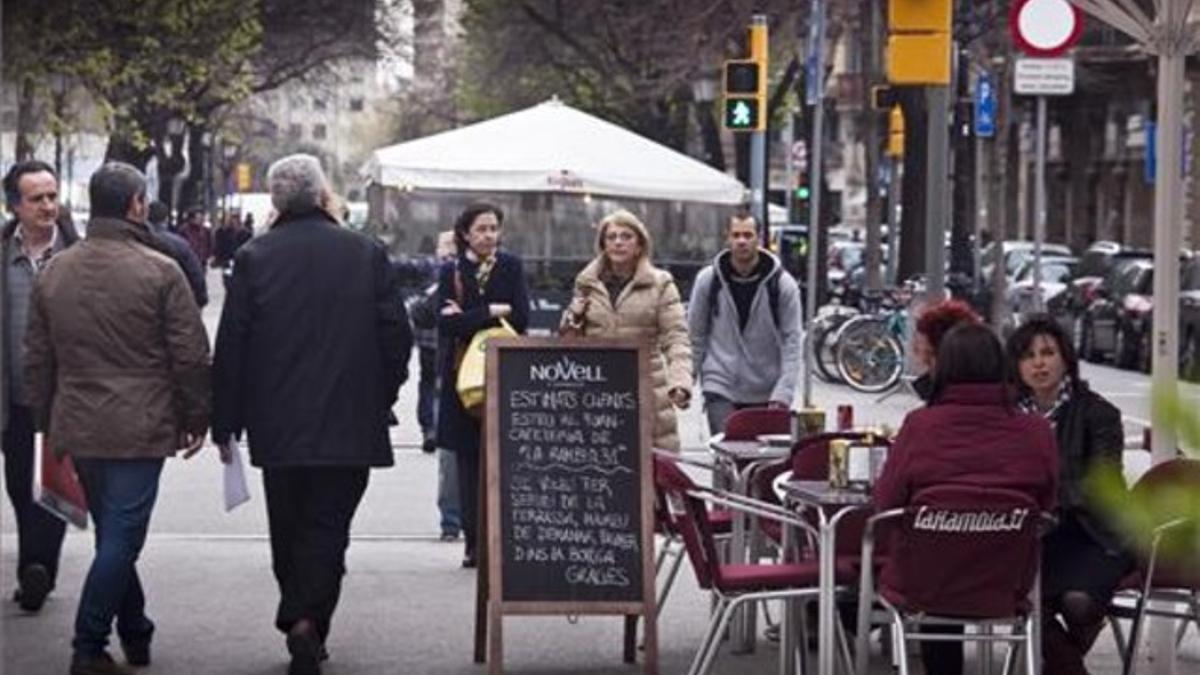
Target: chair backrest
column 810, row 461
column 748, row 424
column 1171, row 486
column 964, row 551
column 688, row 516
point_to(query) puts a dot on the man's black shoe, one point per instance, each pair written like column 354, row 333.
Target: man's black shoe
column 469, row 562
column 35, row 586
column 96, row 664
column 449, row 536
column 306, row 649
column 429, row 446
column 136, row 653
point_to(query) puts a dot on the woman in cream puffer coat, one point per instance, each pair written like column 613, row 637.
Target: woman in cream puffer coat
column 621, row 294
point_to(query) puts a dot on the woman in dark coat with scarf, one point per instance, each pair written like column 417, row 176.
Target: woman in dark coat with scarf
column 475, row 290
column 1082, row 559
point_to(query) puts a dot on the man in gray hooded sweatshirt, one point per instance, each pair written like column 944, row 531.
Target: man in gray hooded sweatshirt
column 745, row 322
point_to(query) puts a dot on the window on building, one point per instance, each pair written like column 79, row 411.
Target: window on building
column 319, row 132
column 318, row 104
column 295, row 131
column 356, row 105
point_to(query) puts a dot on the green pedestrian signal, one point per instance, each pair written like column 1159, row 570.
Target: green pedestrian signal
column 745, row 95
column 741, row 114
column 802, row 192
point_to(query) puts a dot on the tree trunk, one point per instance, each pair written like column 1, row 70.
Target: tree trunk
column 710, row 134
column 24, row 149
column 120, row 149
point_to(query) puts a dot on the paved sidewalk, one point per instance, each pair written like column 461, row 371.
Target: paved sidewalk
column 406, row 606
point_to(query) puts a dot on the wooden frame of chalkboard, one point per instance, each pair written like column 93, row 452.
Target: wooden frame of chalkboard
column 561, row 456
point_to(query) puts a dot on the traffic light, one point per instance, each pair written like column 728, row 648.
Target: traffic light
column 801, row 191
column 745, row 84
column 918, row 49
column 895, row 146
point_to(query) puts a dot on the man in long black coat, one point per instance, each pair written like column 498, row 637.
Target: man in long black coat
column 312, row 347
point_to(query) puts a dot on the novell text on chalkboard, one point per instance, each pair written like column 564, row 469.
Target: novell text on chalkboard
column 570, row 475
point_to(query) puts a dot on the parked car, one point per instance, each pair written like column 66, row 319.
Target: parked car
column 1189, row 321
column 1094, row 266
column 1057, row 272
column 1015, row 253
column 1116, row 324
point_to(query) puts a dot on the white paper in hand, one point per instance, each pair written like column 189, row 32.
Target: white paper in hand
column 236, row 490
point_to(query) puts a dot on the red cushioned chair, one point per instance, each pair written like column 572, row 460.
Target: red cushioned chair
column 748, row 424
column 732, row 585
column 961, row 556
column 810, row 461
column 1156, row 578
column 671, row 551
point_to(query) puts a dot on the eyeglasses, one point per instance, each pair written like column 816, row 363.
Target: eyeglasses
column 619, row 236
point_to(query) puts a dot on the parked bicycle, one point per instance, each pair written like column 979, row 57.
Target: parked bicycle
column 869, row 348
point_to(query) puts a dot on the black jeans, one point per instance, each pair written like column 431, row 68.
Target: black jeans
column 39, row 533
column 468, row 496
column 309, row 510
column 427, row 395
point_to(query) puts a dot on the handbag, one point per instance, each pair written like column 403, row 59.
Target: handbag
column 471, row 383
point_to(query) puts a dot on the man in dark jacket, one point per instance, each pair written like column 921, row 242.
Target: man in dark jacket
column 38, row 232
column 117, row 374
column 178, row 249
column 311, row 349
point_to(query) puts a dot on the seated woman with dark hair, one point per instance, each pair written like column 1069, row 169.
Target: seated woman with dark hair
column 932, row 325
column 1082, row 559
column 970, row 434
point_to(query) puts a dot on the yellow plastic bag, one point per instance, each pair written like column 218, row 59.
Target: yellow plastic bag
column 471, row 383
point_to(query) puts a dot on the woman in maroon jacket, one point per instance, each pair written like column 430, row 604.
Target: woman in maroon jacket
column 970, row 434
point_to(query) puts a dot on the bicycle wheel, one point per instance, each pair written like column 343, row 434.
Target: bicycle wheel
column 823, row 340
column 869, row 358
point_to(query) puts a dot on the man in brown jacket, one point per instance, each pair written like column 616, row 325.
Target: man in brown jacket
column 117, row 373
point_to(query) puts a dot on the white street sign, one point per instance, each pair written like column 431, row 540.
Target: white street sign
column 1045, row 77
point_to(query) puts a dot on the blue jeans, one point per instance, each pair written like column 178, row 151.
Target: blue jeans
column 120, row 494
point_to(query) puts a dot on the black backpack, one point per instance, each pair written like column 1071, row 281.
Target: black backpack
column 714, row 290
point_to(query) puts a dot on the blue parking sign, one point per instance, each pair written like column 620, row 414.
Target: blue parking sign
column 985, row 106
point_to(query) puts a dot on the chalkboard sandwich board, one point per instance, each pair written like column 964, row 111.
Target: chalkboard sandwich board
column 569, row 493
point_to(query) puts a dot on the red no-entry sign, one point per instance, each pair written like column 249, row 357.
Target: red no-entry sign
column 1044, row 28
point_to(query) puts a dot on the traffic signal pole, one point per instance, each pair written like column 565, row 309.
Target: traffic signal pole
column 758, row 137
column 937, row 150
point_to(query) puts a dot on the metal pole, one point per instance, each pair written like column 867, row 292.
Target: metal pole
column 981, row 207
column 1168, row 214
column 758, row 155
column 814, row 205
column 758, row 191
column 1039, row 203
column 936, row 188
column 789, row 140
column 893, row 219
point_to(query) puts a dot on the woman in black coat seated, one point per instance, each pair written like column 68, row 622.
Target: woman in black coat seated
column 1082, row 559
column 475, row 290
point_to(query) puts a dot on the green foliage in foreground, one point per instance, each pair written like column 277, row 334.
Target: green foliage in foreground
column 1137, row 513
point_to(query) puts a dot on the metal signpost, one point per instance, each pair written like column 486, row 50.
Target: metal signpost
column 985, row 127
column 1043, row 29
column 815, row 95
